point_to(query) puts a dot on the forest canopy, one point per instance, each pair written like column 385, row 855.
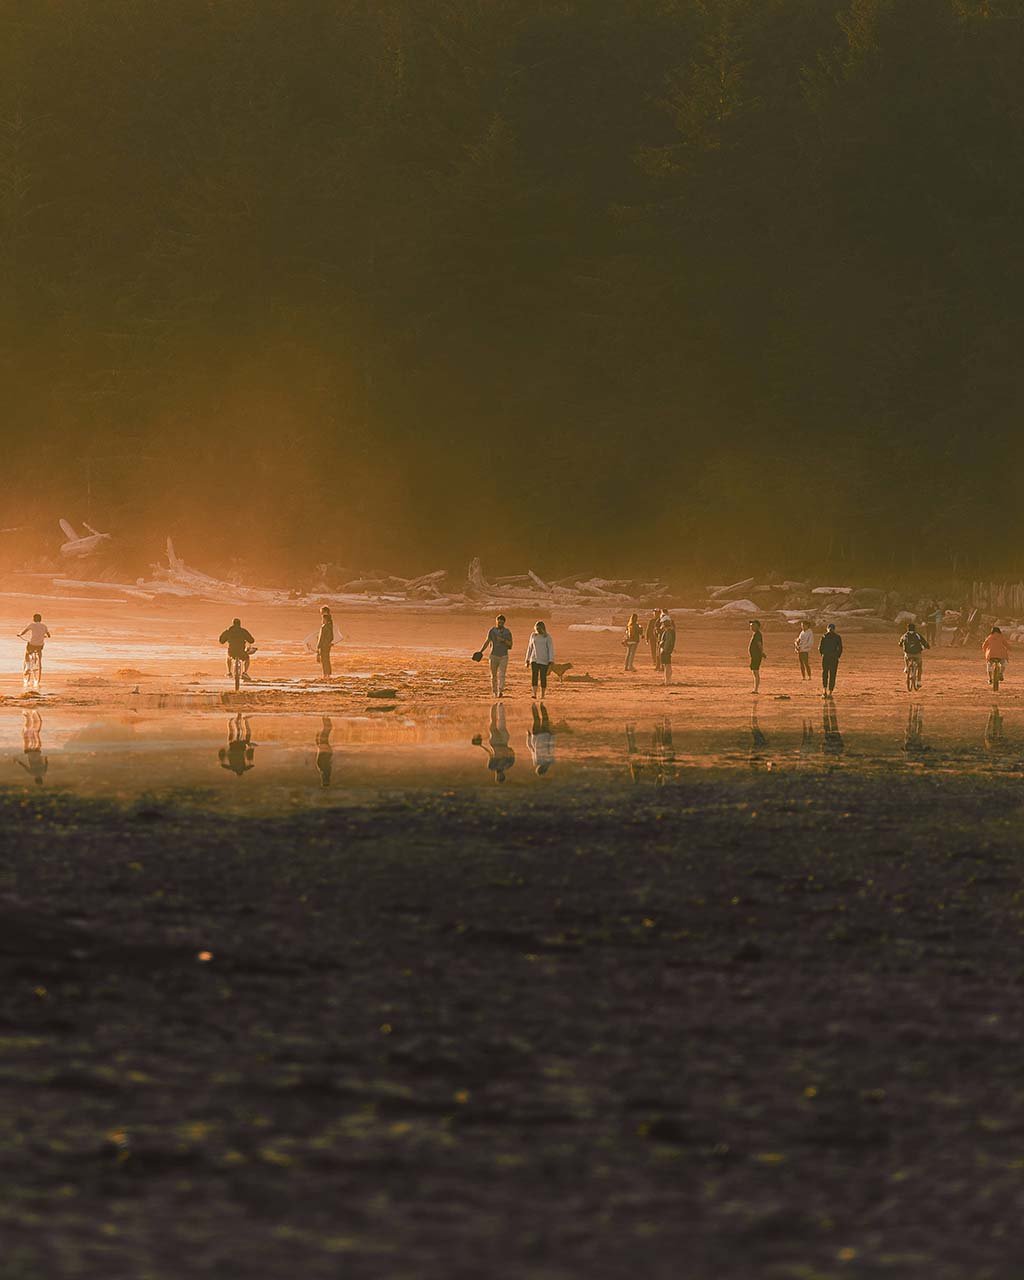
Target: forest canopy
column 627, row 283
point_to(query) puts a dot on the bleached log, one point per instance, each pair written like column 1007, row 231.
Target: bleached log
column 537, row 582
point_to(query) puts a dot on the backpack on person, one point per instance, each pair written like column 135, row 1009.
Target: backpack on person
column 912, row 644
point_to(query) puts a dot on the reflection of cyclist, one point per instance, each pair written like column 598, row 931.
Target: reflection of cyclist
column 913, row 737
column 995, row 736
column 35, row 763
column 913, row 645
column 238, row 641
column 324, row 752
column 996, row 648
column 238, row 755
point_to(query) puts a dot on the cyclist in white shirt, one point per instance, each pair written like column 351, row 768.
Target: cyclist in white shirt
column 37, row 633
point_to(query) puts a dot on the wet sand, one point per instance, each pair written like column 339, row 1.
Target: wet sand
column 729, row 990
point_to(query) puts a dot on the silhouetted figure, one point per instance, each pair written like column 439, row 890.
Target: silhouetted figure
column 651, row 635
column 500, row 756
column 831, row 649
column 238, row 641
column 238, row 755
column 832, row 742
column 541, row 740
column 324, row 752
column 755, row 650
column 913, row 644
column 666, row 645
column 932, row 617
column 631, row 639
column 324, row 641
column 35, row 763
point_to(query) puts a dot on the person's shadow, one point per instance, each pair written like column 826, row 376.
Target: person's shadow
column 238, row 755
column 35, row 763
column 500, row 756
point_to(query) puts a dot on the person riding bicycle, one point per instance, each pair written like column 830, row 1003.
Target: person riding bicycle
column 996, row 649
column 913, row 644
column 238, row 641
column 37, row 633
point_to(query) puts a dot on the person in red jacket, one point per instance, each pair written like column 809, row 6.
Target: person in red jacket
column 996, row 649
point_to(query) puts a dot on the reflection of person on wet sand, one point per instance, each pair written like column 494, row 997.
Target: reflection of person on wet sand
column 832, row 742
column 757, row 739
column 324, row 752
column 239, row 753
column 500, row 756
column 663, row 753
column 995, row 735
column 636, row 767
column 913, row 738
column 35, row 763
column 541, row 740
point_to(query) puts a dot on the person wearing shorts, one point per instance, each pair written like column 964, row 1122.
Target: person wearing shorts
column 36, row 634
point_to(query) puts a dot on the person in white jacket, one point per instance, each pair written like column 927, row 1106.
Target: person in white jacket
column 540, row 653
column 803, row 645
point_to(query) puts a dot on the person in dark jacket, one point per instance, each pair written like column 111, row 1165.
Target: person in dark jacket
column 756, row 651
column 666, row 645
column 831, row 649
column 653, row 639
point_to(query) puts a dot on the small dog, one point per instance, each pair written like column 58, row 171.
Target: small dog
column 559, row 669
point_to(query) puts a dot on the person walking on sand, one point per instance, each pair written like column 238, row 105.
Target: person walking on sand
column 803, row 645
column 831, row 649
column 666, row 645
column 756, row 651
column 653, row 639
column 324, row 641
column 540, row 653
column 631, row 639
column 499, row 638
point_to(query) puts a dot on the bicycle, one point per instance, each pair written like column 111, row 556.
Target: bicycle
column 32, row 673
column 996, row 671
column 237, row 667
column 913, row 669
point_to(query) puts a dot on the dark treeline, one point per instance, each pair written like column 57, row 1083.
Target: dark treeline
column 581, row 283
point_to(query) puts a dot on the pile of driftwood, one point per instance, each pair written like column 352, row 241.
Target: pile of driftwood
column 523, row 590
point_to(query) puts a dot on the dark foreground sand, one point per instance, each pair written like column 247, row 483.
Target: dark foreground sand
column 746, row 1024
column 754, row 1022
